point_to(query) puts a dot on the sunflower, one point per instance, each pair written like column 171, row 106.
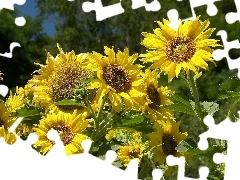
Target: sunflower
column 58, row 79
column 13, row 103
column 117, row 77
column 126, row 153
column 70, row 128
column 187, row 48
column 165, row 140
column 6, row 122
column 155, row 97
column 17, row 100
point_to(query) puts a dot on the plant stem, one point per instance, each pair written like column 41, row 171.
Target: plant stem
column 194, row 91
column 101, row 106
column 96, row 121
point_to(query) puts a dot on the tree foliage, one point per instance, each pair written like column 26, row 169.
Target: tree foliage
column 33, row 41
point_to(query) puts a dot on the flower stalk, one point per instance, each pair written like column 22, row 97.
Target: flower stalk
column 193, row 88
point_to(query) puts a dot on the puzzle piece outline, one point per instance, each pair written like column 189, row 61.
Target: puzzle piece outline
column 235, row 43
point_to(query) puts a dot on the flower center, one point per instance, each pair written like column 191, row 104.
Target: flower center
column 134, row 154
column 154, row 96
column 64, row 80
column 1, row 122
column 169, row 144
column 91, row 94
column 180, row 49
column 116, row 77
column 65, row 134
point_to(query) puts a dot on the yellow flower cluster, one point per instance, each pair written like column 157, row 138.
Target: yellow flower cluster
column 72, row 89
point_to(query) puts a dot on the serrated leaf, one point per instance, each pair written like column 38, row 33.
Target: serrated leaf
column 181, row 108
column 180, row 98
column 229, row 89
column 181, row 104
column 27, row 111
column 232, row 84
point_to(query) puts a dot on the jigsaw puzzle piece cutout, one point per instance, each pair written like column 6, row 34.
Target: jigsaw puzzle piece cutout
column 153, row 6
column 9, row 4
column 231, row 160
column 229, row 131
column 103, row 169
column 12, row 46
column 3, row 90
column 232, row 17
column 103, row 12
column 180, row 162
column 178, row 9
column 17, row 156
column 173, row 16
column 219, row 54
column 212, row 10
column 58, row 149
column 218, row 20
column 216, row 131
column 157, row 174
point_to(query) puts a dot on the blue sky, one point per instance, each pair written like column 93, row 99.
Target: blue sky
column 29, row 8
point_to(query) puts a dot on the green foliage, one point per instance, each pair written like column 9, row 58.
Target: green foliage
column 230, row 91
column 181, row 104
column 189, row 146
column 33, row 41
column 69, row 102
column 133, row 121
column 27, row 111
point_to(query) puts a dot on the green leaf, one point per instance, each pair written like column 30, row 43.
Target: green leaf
column 188, row 143
column 134, row 120
column 209, row 152
column 27, row 111
column 69, row 102
column 232, row 84
column 230, row 90
column 189, row 146
column 181, row 104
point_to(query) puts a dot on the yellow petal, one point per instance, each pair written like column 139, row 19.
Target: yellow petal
column 116, row 101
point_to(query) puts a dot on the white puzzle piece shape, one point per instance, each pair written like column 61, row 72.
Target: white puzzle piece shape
column 232, row 17
column 229, row 131
column 180, row 162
